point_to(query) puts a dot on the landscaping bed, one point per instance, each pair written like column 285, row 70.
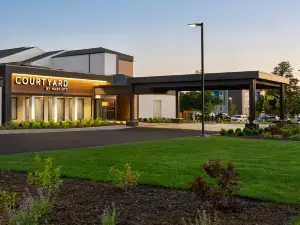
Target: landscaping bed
column 83, row 202
column 276, row 132
column 51, row 124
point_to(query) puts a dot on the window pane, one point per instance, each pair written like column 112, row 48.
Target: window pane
column 14, row 108
column 80, row 109
column 60, row 109
column 39, row 108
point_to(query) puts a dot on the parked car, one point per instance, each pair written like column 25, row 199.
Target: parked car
column 296, row 119
column 260, row 119
column 272, row 119
column 239, row 118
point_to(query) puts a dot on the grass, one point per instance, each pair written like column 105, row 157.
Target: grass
column 270, row 169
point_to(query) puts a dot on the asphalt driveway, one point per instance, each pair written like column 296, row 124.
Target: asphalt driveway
column 19, row 143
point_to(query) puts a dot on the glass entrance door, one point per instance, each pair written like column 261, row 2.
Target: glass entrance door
column 108, row 109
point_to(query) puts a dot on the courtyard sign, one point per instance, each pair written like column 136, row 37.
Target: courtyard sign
column 47, row 83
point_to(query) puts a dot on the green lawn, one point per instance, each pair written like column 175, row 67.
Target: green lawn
column 270, row 170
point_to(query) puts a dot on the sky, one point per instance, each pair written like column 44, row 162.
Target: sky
column 238, row 35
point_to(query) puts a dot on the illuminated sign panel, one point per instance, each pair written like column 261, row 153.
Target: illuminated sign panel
column 26, row 83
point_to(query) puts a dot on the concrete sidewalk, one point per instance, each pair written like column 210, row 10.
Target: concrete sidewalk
column 53, row 130
column 196, row 126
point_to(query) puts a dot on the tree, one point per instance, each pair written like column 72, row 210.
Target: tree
column 192, row 101
column 233, row 110
column 271, row 102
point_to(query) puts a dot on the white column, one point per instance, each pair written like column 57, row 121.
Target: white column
column 55, row 109
column 74, row 108
column 46, row 109
column 32, row 108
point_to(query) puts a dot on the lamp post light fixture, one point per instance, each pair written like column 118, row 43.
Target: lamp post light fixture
column 202, row 70
column 230, row 105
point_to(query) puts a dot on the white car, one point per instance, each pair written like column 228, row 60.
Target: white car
column 239, row 118
column 296, row 119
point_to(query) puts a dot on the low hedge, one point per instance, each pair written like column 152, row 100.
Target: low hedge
column 156, row 120
column 40, row 124
column 278, row 132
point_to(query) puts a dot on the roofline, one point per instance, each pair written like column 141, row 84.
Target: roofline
column 210, row 76
column 55, row 73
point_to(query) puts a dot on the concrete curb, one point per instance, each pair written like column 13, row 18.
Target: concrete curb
column 34, row 131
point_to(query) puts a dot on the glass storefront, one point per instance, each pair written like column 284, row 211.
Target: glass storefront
column 21, row 108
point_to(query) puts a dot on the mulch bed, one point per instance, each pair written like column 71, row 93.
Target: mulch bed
column 82, row 202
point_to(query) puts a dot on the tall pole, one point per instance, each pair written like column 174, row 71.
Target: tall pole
column 202, row 70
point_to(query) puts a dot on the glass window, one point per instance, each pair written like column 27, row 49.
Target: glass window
column 70, row 108
column 80, row 108
column 14, row 108
column 50, row 108
column 61, row 109
column 39, row 108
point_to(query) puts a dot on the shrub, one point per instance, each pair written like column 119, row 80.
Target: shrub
column 268, row 135
column 201, row 188
column 267, row 129
column 238, row 130
column 276, row 137
column 261, row 130
column 7, row 201
column 276, row 130
column 255, row 132
column 106, row 122
column 124, row 178
column 99, row 123
column 32, row 215
column 55, row 125
column 11, row 125
column 247, row 131
column 65, row 125
column 203, row 218
column 148, row 120
column 295, row 137
column 92, row 123
column 241, row 133
column 108, row 217
column 25, row 125
column 230, row 131
column 73, row 124
column 46, row 124
column 227, row 179
column 223, row 132
column 46, row 177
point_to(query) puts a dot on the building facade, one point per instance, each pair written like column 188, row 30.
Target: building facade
column 59, row 85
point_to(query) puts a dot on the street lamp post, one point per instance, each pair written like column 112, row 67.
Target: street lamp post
column 230, row 105
column 202, row 70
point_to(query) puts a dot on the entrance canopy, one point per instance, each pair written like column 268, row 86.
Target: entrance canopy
column 250, row 80
column 189, row 82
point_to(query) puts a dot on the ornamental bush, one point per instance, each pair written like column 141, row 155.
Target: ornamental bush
column 255, row 132
column 230, row 131
column 223, row 132
column 247, row 131
column 65, row 125
column 237, row 130
column 46, row 124
column 261, row 130
column 241, row 133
